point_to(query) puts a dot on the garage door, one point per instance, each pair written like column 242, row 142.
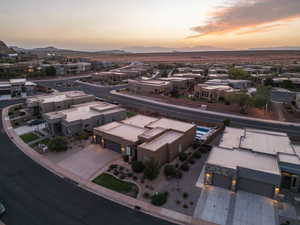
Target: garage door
column 112, row 146
column 221, row 181
column 255, row 187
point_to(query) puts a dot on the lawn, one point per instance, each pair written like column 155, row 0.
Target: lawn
column 29, row 137
column 110, row 182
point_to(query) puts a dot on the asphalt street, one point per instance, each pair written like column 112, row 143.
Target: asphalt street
column 34, row 196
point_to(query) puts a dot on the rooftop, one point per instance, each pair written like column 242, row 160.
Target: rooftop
column 171, row 124
column 124, row 131
column 230, row 158
column 150, row 82
column 84, row 111
column 166, row 138
column 139, row 120
column 231, row 137
column 57, row 97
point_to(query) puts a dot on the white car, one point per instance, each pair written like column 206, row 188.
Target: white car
column 43, row 147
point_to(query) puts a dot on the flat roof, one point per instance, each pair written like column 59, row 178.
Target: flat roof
column 151, row 82
column 287, row 158
column 165, row 138
column 85, row 111
column 124, row 131
column 139, row 120
column 231, row 137
column 153, row 132
column 171, row 124
column 16, row 81
column 267, row 142
column 230, row 158
column 57, row 97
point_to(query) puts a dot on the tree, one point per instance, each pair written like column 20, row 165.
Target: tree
column 242, row 99
column 58, row 144
column 159, row 199
column 235, row 73
column 262, row 96
column 226, row 122
column 50, row 71
column 152, row 169
column 137, row 166
column 269, row 82
column 287, row 84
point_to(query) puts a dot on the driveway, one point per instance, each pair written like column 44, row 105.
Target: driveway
column 253, row 209
column 214, row 205
column 89, row 161
column 28, row 129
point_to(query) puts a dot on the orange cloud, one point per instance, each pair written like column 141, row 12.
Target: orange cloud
column 249, row 17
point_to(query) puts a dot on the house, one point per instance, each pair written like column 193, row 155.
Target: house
column 40, row 104
column 82, row 117
column 150, row 86
column 237, row 84
column 213, row 92
column 196, row 76
column 255, row 161
column 17, row 87
column 143, row 137
column 180, row 83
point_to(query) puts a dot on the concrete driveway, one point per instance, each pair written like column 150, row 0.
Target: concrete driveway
column 252, row 209
column 28, row 129
column 87, row 162
column 214, row 205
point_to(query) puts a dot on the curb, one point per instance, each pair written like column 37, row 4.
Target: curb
column 145, row 207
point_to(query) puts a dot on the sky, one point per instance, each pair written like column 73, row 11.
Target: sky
column 117, row 24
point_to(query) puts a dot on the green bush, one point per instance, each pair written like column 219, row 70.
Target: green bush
column 196, row 155
column 58, row 144
column 126, row 158
column 226, row 122
column 137, row 166
column 152, row 169
column 170, row 171
column 185, row 167
column 159, row 199
column 183, row 156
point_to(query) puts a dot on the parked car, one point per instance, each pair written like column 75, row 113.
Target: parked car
column 43, row 148
column 34, row 122
column 2, row 209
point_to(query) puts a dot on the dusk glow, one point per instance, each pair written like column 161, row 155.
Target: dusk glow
column 99, row 24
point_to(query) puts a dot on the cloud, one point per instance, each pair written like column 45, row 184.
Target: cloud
column 249, row 16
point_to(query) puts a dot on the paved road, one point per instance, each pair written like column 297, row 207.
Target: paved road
column 103, row 92
column 35, row 196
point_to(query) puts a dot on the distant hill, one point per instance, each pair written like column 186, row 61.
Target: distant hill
column 4, row 49
column 286, row 48
column 52, row 49
column 158, row 49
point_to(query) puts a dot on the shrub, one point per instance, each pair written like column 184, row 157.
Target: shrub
column 170, row 171
column 146, row 195
column 191, row 161
column 152, row 169
column 58, row 144
column 126, row 158
column 113, row 166
column 137, row 166
column 183, row 156
column 226, row 122
column 159, row 199
column 191, row 203
column 185, row 195
column 185, row 167
column 178, row 202
column 195, row 144
column 196, row 155
column 185, row 206
column 178, row 174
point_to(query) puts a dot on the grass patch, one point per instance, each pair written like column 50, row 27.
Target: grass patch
column 29, row 137
column 131, row 114
column 110, row 182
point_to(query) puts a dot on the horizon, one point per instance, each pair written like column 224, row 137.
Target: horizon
column 230, row 24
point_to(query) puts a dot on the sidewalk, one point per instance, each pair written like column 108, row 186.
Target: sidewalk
column 124, row 200
column 144, row 99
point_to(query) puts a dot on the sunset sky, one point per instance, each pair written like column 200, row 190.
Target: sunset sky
column 103, row 24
